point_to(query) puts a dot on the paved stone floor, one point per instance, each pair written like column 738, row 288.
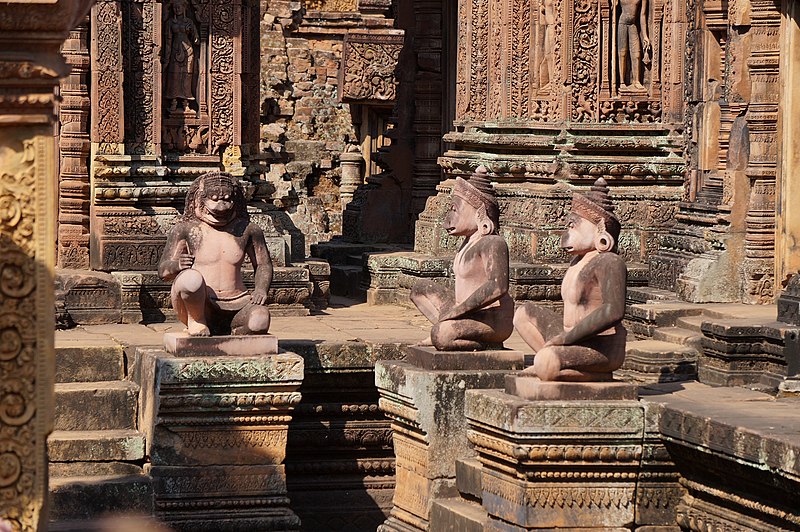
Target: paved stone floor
column 344, row 321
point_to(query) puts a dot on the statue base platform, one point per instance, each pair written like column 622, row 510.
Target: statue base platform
column 534, row 389
column 257, row 344
column 429, row 432
column 557, row 464
column 428, row 357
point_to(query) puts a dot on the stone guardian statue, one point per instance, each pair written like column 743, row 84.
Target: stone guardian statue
column 203, row 258
column 588, row 342
column 478, row 314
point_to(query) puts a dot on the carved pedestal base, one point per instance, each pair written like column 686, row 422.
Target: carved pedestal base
column 427, row 412
column 558, row 463
column 498, row 359
column 216, row 429
column 184, row 345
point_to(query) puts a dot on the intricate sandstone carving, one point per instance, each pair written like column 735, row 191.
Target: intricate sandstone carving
column 31, row 65
column 368, row 67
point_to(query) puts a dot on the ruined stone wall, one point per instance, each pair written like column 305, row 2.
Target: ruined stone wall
column 315, row 102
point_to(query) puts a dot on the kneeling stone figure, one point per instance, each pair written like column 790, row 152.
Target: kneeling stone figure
column 588, row 344
column 478, row 314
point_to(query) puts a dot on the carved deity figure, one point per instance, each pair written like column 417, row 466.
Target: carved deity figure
column 203, row 258
column 633, row 43
column 478, row 313
column 588, row 343
column 548, row 17
column 180, row 38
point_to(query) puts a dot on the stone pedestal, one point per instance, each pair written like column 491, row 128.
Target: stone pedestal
column 557, row 463
column 216, row 431
column 429, row 428
column 182, row 344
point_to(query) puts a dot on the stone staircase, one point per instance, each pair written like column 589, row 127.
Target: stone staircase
column 349, row 269
column 722, row 344
column 464, row 513
column 96, row 452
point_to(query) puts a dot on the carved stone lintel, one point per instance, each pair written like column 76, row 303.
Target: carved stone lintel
column 368, row 67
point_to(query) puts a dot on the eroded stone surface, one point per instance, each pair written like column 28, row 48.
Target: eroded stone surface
column 433, row 359
column 183, row 344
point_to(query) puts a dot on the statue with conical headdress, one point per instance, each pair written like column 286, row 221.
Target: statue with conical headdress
column 588, row 342
column 478, row 313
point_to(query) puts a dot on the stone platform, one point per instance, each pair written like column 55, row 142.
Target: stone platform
column 426, row 407
column 181, row 344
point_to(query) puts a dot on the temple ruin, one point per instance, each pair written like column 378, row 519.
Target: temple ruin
column 348, row 123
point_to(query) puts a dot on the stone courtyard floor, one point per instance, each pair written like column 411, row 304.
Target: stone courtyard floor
column 343, row 321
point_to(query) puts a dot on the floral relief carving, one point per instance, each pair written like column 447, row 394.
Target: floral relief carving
column 584, row 65
column 368, row 67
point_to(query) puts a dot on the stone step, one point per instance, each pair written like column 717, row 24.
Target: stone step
column 95, row 405
column 646, row 294
column 680, row 336
column 662, row 314
column 76, row 498
column 89, row 363
column 468, row 478
column 457, row 515
column 62, row 470
column 653, row 361
column 95, row 446
column 691, row 323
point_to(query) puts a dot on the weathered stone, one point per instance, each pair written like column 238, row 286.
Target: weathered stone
column 789, row 302
column 728, row 446
column 96, row 405
column 429, row 433
column 88, row 363
column 216, row 426
column 648, row 361
column 433, row 359
column 91, row 445
column 182, row 344
column 529, row 451
column 93, row 497
column 89, row 297
column 533, row 389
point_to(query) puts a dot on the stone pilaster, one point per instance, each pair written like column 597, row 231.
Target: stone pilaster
column 216, row 430
column 74, row 146
column 31, row 34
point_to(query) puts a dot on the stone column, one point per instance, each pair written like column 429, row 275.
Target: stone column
column 30, row 66
column 352, row 164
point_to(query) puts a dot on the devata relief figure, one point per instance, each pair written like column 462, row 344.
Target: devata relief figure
column 478, row 315
column 632, row 43
column 180, row 38
column 547, row 68
column 203, row 257
column 589, row 343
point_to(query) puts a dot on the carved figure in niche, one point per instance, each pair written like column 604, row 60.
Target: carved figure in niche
column 478, row 313
column 547, row 66
column 632, row 44
column 204, row 255
column 588, row 343
column 180, row 38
